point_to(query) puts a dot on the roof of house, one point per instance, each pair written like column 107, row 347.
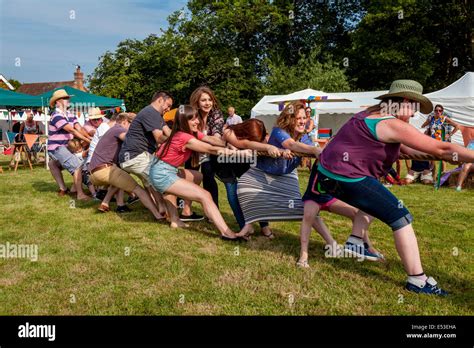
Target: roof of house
column 42, row 87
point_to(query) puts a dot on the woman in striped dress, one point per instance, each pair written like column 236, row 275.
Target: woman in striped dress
column 270, row 190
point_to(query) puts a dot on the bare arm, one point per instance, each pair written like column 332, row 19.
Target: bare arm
column 230, row 137
column 203, row 147
column 397, row 131
column 158, row 135
column 77, row 134
column 295, row 146
column 454, row 124
column 214, row 140
column 81, row 130
column 407, row 152
column 122, row 136
column 426, row 123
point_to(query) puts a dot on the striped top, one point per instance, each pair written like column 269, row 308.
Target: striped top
column 57, row 136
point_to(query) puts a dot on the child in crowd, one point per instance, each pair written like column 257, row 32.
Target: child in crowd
column 77, row 149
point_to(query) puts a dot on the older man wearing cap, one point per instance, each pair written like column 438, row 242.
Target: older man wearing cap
column 62, row 128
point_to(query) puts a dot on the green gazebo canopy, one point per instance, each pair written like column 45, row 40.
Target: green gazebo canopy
column 10, row 99
column 83, row 98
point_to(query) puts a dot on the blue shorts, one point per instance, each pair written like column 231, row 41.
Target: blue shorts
column 66, row 159
column 470, row 146
column 162, row 175
column 370, row 196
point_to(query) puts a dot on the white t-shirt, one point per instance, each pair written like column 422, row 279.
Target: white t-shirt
column 235, row 119
column 103, row 128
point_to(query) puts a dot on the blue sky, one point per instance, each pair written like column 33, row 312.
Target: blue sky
column 47, row 41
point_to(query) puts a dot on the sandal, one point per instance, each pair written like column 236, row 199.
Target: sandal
column 302, row 264
column 62, row 193
column 103, row 208
column 237, row 239
column 269, row 235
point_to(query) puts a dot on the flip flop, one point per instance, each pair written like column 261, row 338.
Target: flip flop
column 302, row 264
column 269, row 236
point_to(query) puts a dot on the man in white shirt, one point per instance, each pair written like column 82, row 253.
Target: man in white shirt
column 233, row 117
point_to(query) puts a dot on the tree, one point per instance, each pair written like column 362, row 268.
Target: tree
column 428, row 41
column 308, row 72
column 232, row 46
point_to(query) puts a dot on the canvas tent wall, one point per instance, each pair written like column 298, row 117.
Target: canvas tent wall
column 458, row 100
column 331, row 115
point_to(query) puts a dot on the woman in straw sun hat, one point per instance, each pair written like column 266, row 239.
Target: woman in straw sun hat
column 363, row 150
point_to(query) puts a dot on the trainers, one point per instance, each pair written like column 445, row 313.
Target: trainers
column 123, row 209
column 379, row 255
column 430, row 286
column 360, row 251
column 132, row 199
column 192, row 217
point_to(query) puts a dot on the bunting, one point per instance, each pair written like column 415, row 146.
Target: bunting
column 30, row 139
column 11, row 137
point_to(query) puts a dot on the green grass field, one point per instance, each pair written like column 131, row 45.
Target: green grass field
column 108, row 264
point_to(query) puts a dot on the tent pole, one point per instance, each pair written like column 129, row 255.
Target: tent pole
column 46, row 154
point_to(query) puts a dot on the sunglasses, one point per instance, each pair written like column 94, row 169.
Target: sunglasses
column 440, row 110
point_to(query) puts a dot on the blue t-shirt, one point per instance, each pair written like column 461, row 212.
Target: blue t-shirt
column 280, row 166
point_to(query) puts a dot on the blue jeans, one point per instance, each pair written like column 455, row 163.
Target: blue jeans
column 370, row 196
column 231, row 189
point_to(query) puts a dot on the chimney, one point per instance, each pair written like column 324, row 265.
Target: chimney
column 79, row 79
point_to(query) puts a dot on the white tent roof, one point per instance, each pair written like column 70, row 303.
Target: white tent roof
column 310, row 94
column 359, row 101
column 457, row 99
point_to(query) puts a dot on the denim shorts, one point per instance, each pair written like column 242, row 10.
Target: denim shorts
column 313, row 192
column 470, row 146
column 162, row 175
column 66, row 159
column 370, row 196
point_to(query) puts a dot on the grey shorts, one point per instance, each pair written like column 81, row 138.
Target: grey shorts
column 66, row 159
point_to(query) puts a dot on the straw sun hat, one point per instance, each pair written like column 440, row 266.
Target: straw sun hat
column 59, row 94
column 94, row 114
column 411, row 90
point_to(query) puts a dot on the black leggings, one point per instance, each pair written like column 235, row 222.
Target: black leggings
column 209, row 181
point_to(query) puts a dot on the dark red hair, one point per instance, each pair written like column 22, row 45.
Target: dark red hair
column 252, row 129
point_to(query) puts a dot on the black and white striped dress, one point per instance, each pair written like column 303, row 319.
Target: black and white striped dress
column 268, row 197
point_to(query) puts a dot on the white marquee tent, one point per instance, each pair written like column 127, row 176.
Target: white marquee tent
column 331, row 115
column 457, row 99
